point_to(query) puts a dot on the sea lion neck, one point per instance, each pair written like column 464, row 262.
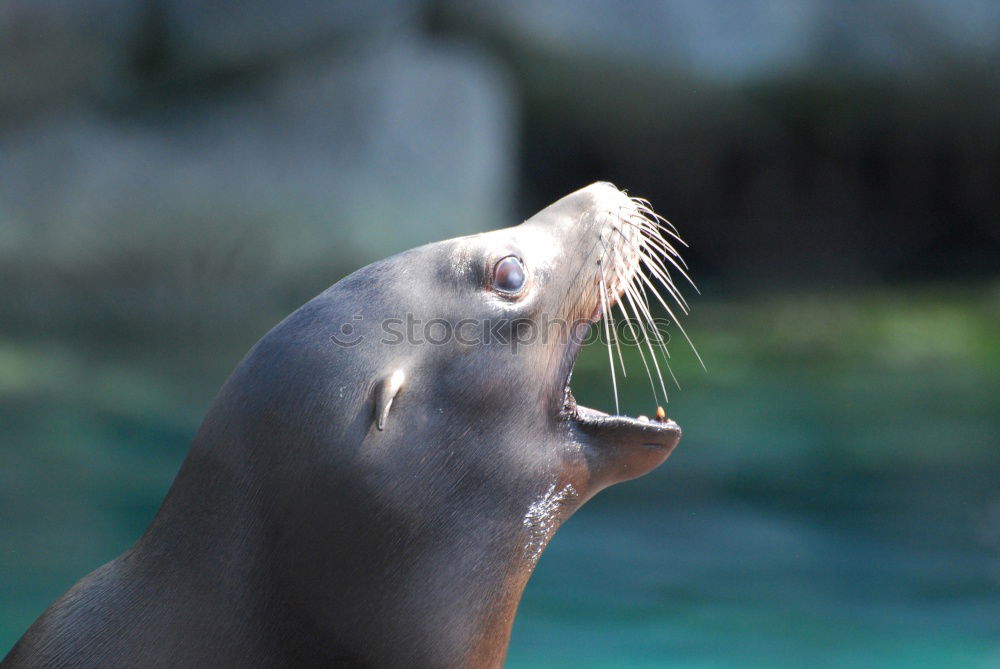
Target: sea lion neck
column 294, row 509
column 348, row 584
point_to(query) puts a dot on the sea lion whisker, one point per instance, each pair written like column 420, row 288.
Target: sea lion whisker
column 662, row 273
column 642, row 356
column 650, row 287
column 654, row 263
column 672, row 258
column 614, row 335
column 646, row 208
column 660, row 222
column 656, row 240
column 653, row 240
column 654, row 237
column 620, row 284
column 629, row 289
column 604, row 309
column 660, row 341
column 630, row 296
column 682, row 271
column 674, row 317
column 611, row 322
column 656, row 222
column 657, row 232
column 639, row 219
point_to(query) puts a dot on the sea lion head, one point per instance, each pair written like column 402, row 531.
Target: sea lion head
column 482, row 333
column 406, row 443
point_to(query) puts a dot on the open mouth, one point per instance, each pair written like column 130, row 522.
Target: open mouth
column 634, row 263
column 657, row 431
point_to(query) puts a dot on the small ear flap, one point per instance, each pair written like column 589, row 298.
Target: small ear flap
column 386, row 392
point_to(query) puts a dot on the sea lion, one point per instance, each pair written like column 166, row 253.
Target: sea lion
column 358, row 495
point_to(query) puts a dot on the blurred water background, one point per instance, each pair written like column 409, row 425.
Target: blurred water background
column 175, row 176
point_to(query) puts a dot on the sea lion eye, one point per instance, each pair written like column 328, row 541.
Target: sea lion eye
column 509, row 275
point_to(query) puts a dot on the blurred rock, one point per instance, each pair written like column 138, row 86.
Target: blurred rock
column 161, row 160
column 206, row 214
column 241, row 33
column 729, row 40
column 63, row 51
column 792, row 142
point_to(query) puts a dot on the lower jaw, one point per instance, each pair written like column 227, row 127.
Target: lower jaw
column 654, row 433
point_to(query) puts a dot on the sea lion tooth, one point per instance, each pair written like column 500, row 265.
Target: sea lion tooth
column 642, row 418
column 661, row 415
column 386, row 393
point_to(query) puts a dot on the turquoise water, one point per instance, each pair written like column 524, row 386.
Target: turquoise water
column 835, row 500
